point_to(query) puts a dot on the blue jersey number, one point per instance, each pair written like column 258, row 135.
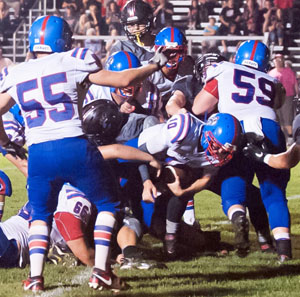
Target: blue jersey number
column 66, row 112
column 266, row 86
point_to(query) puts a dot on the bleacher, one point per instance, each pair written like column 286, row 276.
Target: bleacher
column 18, row 43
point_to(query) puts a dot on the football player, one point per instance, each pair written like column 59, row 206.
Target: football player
column 137, row 21
column 285, row 160
column 203, row 147
column 245, row 90
column 49, row 97
column 140, row 103
column 5, row 190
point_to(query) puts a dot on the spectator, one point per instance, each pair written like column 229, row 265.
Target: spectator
column 233, row 31
column 288, row 78
column 75, row 3
column 16, row 6
column 163, row 13
column 204, row 10
column 71, row 16
column 113, row 16
column 273, row 24
column 5, row 24
column 193, row 16
column 229, row 14
column 286, row 7
column 210, row 30
column 93, row 44
column 251, row 18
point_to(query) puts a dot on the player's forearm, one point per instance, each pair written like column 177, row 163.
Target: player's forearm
column 3, row 136
column 119, row 151
column 286, row 160
column 199, row 185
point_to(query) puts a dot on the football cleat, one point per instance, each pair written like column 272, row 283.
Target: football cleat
column 62, row 255
column 283, row 259
column 139, row 263
column 170, row 245
column 104, row 280
column 241, row 230
column 34, row 284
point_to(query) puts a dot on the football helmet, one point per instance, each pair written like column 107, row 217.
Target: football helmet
column 174, row 45
column 204, row 61
column 102, row 121
column 254, row 54
column 123, row 60
column 50, row 34
column 137, row 12
column 220, row 138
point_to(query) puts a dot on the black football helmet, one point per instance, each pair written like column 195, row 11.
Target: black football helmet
column 102, row 121
column 206, row 60
column 137, row 11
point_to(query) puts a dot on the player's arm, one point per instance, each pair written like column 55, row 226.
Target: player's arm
column 285, row 160
column 120, row 151
column 206, row 99
column 176, row 103
column 197, row 186
column 128, row 77
column 6, row 102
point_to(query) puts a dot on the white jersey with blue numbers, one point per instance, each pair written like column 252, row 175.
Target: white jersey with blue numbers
column 179, row 139
column 48, row 91
column 244, row 92
column 74, row 202
column 96, row 92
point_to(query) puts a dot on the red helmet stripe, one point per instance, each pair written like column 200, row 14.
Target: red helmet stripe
column 172, row 34
column 254, row 50
column 43, row 29
column 128, row 59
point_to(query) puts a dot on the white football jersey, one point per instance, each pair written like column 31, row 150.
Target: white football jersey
column 73, row 201
column 13, row 129
column 244, row 92
column 48, row 91
column 179, row 139
column 16, row 227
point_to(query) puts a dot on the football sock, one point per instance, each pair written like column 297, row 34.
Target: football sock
column 284, row 247
column 130, row 251
column 236, row 213
column 171, row 227
column 38, row 242
column 189, row 214
column 102, row 235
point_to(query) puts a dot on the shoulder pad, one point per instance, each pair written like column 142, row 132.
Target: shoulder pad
column 178, row 127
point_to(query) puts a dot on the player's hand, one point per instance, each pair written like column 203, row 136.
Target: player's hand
column 160, row 59
column 254, row 152
column 127, row 108
column 149, row 191
column 15, row 150
column 157, row 165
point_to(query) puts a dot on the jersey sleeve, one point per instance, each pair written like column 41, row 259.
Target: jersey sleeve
column 85, row 62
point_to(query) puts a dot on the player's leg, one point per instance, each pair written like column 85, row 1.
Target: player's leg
column 94, row 177
column 259, row 218
column 43, row 195
column 273, row 184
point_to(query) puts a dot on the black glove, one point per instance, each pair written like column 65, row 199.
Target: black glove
column 15, row 150
column 254, row 152
column 159, row 58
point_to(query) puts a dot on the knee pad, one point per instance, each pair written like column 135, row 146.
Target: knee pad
column 134, row 225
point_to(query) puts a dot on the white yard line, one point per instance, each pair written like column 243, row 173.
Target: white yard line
column 78, row 279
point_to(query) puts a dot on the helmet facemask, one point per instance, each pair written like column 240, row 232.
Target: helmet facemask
column 221, row 153
column 137, row 35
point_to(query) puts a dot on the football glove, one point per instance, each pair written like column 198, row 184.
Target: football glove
column 159, row 58
column 254, row 152
column 15, row 150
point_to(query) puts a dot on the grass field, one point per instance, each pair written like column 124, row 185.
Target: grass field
column 197, row 275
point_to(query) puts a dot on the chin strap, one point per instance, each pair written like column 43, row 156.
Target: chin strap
column 138, row 39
